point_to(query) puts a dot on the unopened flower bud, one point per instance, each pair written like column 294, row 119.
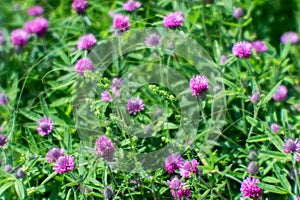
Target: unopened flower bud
column 108, row 193
column 252, row 167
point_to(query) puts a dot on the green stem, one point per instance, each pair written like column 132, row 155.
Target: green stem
column 112, row 176
column 202, row 111
column 254, row 83
column 244, row 118
column 256, row 109
column 73, row 176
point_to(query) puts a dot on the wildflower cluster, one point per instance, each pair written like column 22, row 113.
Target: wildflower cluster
column 178, row 188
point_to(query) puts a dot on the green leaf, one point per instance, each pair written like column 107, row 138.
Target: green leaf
column 87, row 20
column 71, row 184
column 169, row 125
column 5, row 187
column 228, row 83
column 30, row 115
column 61, row 101
column 67, row 139
column 30, row 138
column 284, row 117
column 57, row 86
column 48, row 178
column 282, row 178
column 216, row 50
column 20, row 190
column 64, row 57
column 247, row 22
column 68, row 194
column 272, row 154
column 258, row 138
column 81, row 160
column 231, row 24
column 272, row 188
column 270, row 179
column 275, row 139
column 44, row 106
column 286, row 49
column 66, row 78
column 252, row 121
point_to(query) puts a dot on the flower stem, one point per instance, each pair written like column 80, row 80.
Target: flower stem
column 202, row 110
column 254, row 83
column 256, row 109
column 73, row 176
column 112, row 176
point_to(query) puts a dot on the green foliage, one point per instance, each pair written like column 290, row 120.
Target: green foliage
column 41, row 81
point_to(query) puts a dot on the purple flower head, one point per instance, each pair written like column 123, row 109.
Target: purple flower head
column 275, row 127
column 298, row 198
column 86, row 41
column 175, row 183
column 255, row 97
column 252, row 167
column 298, row 148
column 223, row 59
column 121, row 22
column 82, row 65
column 3, row 140
column 104, row 147
column 281, row 93
column 45, row 126
column 105, row 96
column 37, row 26
column 2, row 38
column 173, row 162
column 177, row 188
column 79, row 6
column 54, row 154
column 297, row 158
column 3, row 99
column 291, row 145
column 173, row 20
column 64, row 164
column 199, row 85
column 135, row 105
column 238, row 13
column 19, row 38
column 259, row 46
column 242, row 49
column 249, row 187
column 116, row 85
column 115, row 91
column 131, row 5
column 152, row 40
column 35, row 10
column 117, row 82
column 189, row 167
column 291, row 37
column 181, row 194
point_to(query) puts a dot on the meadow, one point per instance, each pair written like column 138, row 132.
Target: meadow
column 150, row 99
